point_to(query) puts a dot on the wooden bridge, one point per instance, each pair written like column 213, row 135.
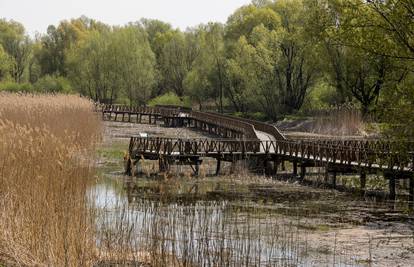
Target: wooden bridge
column 243, row 139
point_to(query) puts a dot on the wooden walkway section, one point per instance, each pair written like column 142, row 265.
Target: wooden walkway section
column 243, row 139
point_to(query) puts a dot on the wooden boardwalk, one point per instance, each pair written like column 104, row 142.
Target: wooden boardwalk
column 242, row 139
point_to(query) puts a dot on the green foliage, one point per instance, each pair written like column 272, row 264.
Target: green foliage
column 51, row 84
column 4, row 64
column 272, row 64
column 206, row 80
column 14, row 87
column 46, row 84
column 112, row 64
column 259, row 116
column 178, row 52
column 270, row 60
column 321, row 96
column 17, row 45
column 170, row 98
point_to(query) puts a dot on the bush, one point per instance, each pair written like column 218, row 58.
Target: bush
column 258, row 116
column 14, row 87
column 51, row 84
column 46, row 84
column 170, row 99
column 322, row 96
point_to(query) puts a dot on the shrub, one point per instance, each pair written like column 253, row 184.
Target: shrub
column 170, row 99
column 51, row 84
column 322, row 96
column 14, row 87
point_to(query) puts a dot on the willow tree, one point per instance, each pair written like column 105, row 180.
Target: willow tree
column 283, row 61
column 206, row 79
column 17, row 45
column 113, row 63
column 133, row 62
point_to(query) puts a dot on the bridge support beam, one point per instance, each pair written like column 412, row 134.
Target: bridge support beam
column 295, row 168
column 391, row 185
column 197, row 168
column 218, row 167
column 326, row 178
column 233, row 167
column 363, row 180
column 302, row 172
column 283, row 166
column 334, row 180
column 275, row 165
column 128, row 167
column 411, row 191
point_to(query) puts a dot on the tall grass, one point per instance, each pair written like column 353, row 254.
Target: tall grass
column 341, row 121
column 45, row 147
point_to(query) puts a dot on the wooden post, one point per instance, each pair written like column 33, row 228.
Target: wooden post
column 363, row 179
column 334, row 179
column 391, row 185
column 218, row 167
column 275, row 163
column 411, row 191
column 326, row 178
column 295, row 168
column 128, row 167
column 283, row 165
column 302, row 172
column 265, row 169
column 197, row 167
column 161, row 164
column 233, row 167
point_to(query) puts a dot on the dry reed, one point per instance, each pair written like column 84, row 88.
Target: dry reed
column 340, row 121
column 45, row 146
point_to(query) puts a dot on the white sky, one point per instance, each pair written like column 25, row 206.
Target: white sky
column 36, row 15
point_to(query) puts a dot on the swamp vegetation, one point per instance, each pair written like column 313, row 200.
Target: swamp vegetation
column 332, row 67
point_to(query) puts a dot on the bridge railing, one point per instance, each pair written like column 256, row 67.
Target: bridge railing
column 161, row 111
column 373, row 156
column 188, row 147
column 301, row 151
column 260, row 126
column 246, row 128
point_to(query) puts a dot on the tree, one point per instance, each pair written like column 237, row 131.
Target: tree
column 114, row 63
column 59, row 40
column 206, row 80
column 134, row 62
column 4, row 63
column 241, row 78
column 356, row 69
column 87, row 68
column 284, row 63
column 17, row 45
column 155, row 29
column 178, row 53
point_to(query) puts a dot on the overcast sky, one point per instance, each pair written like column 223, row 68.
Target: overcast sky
column 36, row 15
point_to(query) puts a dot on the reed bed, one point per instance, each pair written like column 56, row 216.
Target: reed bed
column 340, row 121
column 46, row 143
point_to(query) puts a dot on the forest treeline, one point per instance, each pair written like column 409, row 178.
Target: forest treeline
column 274, row 58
